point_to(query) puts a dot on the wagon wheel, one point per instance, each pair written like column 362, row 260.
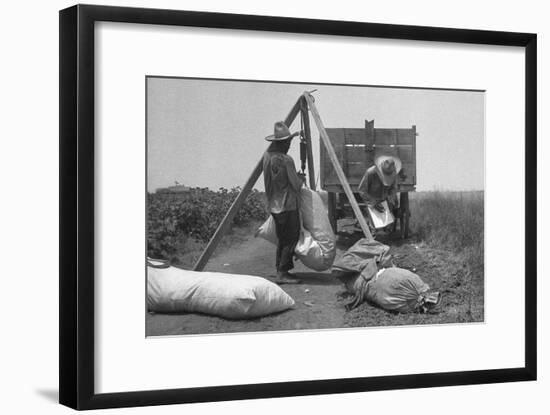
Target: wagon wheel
column 405, row 215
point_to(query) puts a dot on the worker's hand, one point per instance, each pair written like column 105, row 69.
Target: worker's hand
column 379, row 207
column 302, row 177
column 300, row 133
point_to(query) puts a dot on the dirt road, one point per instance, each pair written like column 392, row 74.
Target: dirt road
column 319, row 298
column 257, row 257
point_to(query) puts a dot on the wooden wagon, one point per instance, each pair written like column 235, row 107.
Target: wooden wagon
column 356, row 149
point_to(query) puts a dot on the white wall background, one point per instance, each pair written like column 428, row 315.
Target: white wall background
column 29, row 212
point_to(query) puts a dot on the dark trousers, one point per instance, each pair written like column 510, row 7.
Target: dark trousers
column 287, row 227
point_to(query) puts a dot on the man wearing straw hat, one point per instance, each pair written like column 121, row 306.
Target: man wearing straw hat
column 379, row 184
column 282, row 187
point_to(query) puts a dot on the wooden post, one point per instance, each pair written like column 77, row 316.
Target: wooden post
column 332, row 211
column 239, row 200
column 336, row 164
column 307, row 134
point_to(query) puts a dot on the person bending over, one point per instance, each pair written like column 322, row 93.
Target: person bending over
column 379, row 183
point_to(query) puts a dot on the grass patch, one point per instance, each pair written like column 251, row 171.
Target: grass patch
column 452, row 221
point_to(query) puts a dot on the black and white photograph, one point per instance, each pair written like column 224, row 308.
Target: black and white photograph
column 275, row 206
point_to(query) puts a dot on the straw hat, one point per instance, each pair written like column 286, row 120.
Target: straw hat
column 280, row 132
column 387, row 168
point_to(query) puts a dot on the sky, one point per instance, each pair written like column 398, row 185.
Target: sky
column 210, row 133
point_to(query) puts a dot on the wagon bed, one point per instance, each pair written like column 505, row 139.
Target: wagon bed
column 356, row 149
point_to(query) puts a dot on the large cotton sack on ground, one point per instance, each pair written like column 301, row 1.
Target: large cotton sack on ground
column 358, row 256
column 397, row 289
column 316, row 248
column 173, row 290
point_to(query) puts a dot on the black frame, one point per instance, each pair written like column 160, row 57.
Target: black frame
column 76, row 279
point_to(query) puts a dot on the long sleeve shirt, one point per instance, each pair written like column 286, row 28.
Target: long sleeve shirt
column 372, row 190
column 282, row 183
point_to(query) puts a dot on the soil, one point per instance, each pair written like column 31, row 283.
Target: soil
column 320, row 298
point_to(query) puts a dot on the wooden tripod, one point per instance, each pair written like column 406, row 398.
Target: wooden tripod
column 304, row 104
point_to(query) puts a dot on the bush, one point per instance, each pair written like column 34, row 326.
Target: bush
column 174, row 217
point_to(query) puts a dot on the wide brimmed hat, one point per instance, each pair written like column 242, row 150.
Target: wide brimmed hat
column 387, row 168
column 280, row 132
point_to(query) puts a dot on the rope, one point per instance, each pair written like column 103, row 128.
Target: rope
column 303, row 151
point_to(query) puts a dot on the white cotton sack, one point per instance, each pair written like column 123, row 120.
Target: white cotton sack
column 316, row 248
column 381, row 219
column 234, row 296
column 312, row 253
column 267, row 231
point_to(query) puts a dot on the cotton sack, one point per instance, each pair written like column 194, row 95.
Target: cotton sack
column 397, row 289
column 316, row 247
column 173, row 290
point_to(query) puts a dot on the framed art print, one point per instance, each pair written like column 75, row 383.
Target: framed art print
column 245, row 200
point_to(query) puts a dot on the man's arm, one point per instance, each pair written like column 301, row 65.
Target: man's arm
column 296, row 182
column 364, row 187
column 364, row 190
